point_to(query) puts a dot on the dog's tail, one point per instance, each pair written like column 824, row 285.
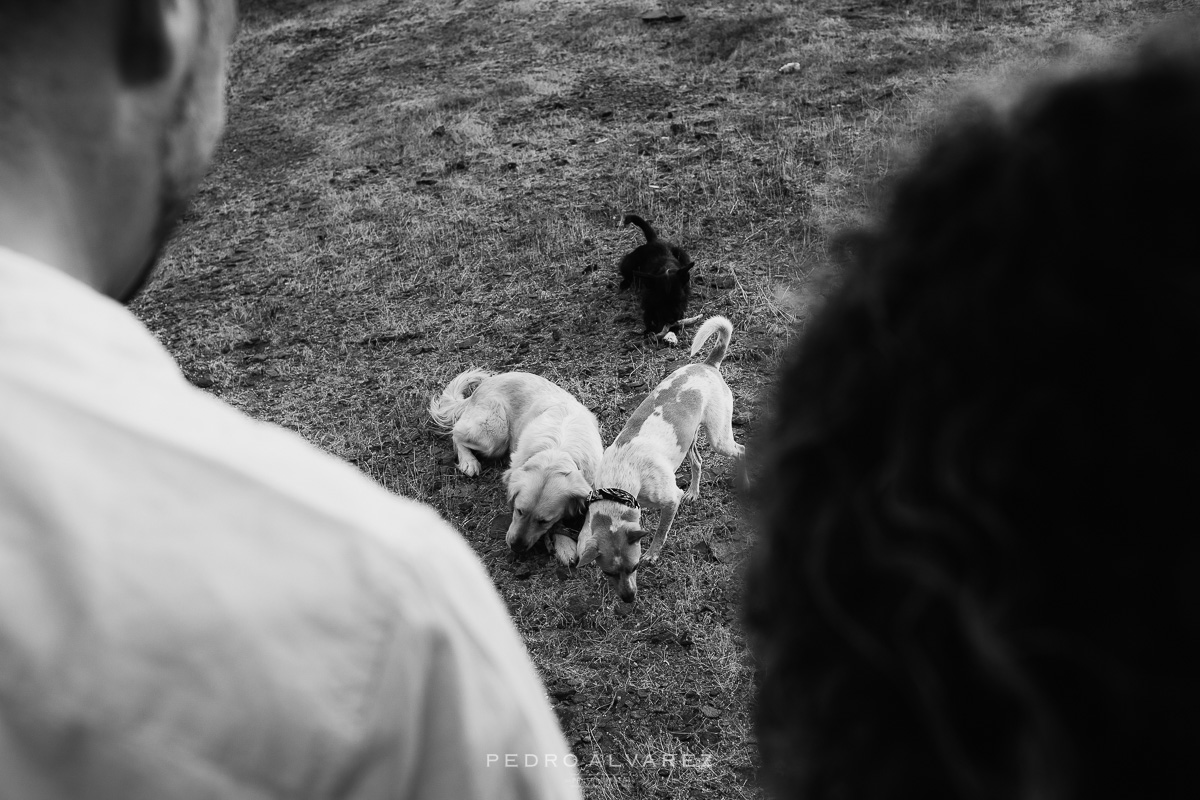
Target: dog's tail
column 634, row 219
column 724, row 330
column 447, row 407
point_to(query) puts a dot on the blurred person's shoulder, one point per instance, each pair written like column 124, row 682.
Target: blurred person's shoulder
column 97, row 416
column 177, row 572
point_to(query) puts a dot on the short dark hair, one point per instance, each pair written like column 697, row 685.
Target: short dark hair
column 980, row 549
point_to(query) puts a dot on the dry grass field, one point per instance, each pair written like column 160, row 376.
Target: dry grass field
column 407, row 189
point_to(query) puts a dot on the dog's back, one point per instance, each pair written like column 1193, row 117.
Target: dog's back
column 564, row 424
column 678, row 402
column 518, row 397
column 525, row 398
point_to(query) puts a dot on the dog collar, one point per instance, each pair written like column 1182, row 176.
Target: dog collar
column 616, row 495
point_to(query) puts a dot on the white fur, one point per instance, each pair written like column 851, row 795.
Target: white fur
column 553, row 440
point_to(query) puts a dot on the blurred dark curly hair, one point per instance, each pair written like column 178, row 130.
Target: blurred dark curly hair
column 979, row 561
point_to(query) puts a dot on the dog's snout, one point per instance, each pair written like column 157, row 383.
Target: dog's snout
column 627, row 587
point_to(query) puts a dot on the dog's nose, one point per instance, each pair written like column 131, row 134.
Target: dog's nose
column 628, row 595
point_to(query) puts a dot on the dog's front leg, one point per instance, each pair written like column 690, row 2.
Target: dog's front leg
column 565, row 549
column 666, row 517
column 468, row 464
column 693, row 490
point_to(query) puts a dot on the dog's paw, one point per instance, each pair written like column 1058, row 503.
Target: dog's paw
column 690, row 497
column 670, row 338
column 469, row 468
column 565, row 550
column 741, row 473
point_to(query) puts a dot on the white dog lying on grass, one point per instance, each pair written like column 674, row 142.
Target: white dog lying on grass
column 554, row 442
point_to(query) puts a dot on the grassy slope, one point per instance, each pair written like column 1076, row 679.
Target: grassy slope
column 408, row 189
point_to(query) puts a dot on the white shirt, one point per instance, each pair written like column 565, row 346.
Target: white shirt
column 197, row 605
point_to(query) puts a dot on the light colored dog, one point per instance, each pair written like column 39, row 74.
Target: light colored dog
column 553, row 440
column 638, row 469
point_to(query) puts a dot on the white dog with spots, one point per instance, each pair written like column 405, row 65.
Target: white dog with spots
column 638, row 469
column 554, row 442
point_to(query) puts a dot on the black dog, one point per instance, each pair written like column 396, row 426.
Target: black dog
column 663, row 273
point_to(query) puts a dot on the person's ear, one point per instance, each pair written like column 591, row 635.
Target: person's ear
column 144, row 47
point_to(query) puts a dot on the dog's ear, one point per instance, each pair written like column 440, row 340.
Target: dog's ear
column 635, row 536
column 514, row 481
column 589, row 548
column 512, row 484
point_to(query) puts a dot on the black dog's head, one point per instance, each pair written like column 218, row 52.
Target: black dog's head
column 665, row 297
column 978, row 566
column 663, row 274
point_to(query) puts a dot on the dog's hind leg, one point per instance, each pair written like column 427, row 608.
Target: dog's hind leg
column 693, row 490
column 482, row 429
column 718, row 421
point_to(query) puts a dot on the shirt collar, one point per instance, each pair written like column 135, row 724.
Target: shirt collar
column 41, row 306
